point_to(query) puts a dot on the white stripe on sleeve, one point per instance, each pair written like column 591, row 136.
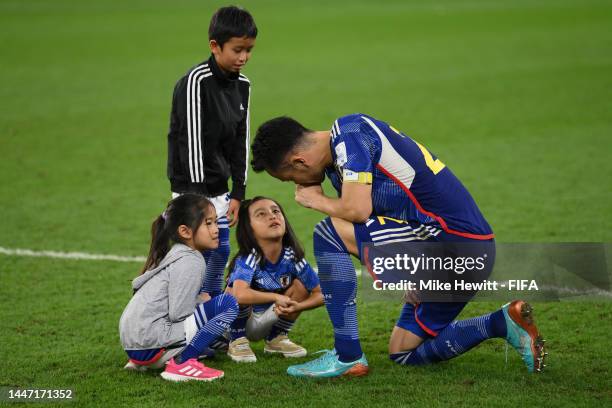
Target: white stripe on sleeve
column 194, row 129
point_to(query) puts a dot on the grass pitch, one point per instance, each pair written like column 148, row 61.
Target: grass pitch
column 513, row 96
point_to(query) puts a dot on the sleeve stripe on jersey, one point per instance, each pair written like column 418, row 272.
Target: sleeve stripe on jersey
column 249, row 260
column 337, row 127
column 194, row 126
column 253, row 259
column 248, row 135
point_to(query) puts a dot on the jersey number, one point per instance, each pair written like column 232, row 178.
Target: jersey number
column 435, row 166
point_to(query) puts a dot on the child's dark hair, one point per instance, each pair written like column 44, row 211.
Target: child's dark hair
column 246, row 238
column 187, row 209
column 230, row 22
column 273, row 140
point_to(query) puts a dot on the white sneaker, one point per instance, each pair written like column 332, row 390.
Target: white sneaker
column 240, row 351
column 282, row 345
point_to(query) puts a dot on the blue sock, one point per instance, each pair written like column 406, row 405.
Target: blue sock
column 238, row 328
column 339, row 287
column 455, row 339
column 283, row 326
column 213, row 318
column 216, row 260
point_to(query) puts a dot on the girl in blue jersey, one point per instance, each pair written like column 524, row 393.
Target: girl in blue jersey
column 271, row 281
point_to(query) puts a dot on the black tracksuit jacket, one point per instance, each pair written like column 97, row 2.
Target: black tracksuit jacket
column 208, row 140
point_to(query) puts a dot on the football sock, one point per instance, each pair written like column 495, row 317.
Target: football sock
column 216, row 259
column 455, row 339
column 238, row 328
column 282, row 326
column 213, row 318
column 339, row 286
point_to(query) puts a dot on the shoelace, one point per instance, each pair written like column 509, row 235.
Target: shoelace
column 328, row 355
column 195, row 364
column 243, row 346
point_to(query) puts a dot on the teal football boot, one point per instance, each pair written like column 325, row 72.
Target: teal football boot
column 523, row 334
column 328, row 365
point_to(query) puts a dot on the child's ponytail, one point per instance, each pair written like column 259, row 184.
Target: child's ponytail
column 160, row 243
column 187, row 209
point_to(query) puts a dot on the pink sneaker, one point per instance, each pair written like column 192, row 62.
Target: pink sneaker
column 191, row 369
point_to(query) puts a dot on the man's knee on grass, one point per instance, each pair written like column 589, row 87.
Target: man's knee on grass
column 401, row 345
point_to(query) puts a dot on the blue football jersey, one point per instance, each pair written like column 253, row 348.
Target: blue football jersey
column 273, row 277
column 408, row 181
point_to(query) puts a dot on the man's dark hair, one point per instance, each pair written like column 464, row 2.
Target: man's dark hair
column 230, row 22
column 273, row 140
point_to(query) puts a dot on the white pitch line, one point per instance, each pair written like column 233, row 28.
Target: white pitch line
column 70, row 255
column 117, row 258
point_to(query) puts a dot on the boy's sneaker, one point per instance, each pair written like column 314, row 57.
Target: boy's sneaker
column 328, row 365
column 523, row 334
column 191, row 369
column 240, row 351
column 221, row 343
column 282, row 345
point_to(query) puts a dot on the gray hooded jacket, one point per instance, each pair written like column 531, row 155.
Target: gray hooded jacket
column 165, row 297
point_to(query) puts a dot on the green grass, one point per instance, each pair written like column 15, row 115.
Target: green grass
column 513, row 96
column 60, row 330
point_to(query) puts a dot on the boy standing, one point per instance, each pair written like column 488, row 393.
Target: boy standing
column 208, row 140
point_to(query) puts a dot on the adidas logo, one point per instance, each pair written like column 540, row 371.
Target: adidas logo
column 241, row 107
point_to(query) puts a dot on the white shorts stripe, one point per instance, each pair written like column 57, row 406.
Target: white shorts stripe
column 386, row 236
column 406, row 228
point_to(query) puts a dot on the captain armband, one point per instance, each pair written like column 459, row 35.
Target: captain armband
column 349, row 176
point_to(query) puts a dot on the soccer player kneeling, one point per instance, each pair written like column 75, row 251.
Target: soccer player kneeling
column 390, row 189
column 271, row 280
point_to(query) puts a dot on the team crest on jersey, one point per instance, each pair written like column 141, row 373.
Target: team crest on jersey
column 285, row 280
